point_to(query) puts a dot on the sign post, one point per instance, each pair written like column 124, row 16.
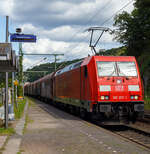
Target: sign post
column 6, row 88
column 22, row 38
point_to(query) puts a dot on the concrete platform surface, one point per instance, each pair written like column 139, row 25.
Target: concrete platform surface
column 2, row 140
column 52, row 131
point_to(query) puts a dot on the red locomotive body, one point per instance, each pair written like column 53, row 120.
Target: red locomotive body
column 106, row 87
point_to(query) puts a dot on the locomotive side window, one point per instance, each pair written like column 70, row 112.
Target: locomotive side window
column 76, row 65
column 68, row 68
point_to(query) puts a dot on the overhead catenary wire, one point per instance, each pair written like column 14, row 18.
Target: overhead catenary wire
column 127, row 4
column 33, row 65
column 98, row 12
column 89, row 20
column 117, row 12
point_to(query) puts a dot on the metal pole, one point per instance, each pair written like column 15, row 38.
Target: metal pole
column 21, row 67
column 2, row 97
column 16, row 95
column 6, row 89
column 13, row 91
column 23, row 89
column 7, row 33
column 55, row 62
column 6, row 102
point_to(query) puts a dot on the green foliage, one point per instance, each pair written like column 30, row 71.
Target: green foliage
column 8, row 131
column 19, row 90
column 2, row 80
column 147, row 103
column 19, row 109
column 133, row 30
column 49, row 67
column 20, row 73
column 121, row 51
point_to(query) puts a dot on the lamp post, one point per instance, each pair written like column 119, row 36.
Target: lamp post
column 6, row 88
column 20, row 73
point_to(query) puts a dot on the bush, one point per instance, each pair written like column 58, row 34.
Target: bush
column 19, row 108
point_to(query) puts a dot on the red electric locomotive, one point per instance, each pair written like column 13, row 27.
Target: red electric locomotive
column 107, row 88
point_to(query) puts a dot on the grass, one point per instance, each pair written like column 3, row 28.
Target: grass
column 31, row 102
column 8, row 131
column 27, row 120
column 19, row 109
column 20, row 151
column 147, row 103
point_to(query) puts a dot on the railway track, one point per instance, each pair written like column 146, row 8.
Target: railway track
column 146, row 119
column 135, row 135
column 147, row 116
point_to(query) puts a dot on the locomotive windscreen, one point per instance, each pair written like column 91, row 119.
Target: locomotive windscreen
column 116, row 68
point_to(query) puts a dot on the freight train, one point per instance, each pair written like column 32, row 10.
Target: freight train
column 106, row 88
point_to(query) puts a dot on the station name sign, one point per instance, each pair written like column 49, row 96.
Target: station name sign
column 22, row 38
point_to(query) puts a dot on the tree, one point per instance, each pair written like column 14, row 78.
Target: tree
column 49, row 67
column 20, row 73
column 133, row 30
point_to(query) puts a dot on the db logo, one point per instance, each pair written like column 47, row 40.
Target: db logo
column 119, row 88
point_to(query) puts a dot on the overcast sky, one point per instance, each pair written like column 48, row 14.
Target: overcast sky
column 60, row 25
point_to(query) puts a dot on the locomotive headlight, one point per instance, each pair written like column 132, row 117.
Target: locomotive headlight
column 105, row 88
column 133, row 88
column 102, row 97
column 135, row 97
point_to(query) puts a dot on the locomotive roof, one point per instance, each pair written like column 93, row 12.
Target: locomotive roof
column 107, row 58
column 114, row 58
column 86, row 60
column 69, row 67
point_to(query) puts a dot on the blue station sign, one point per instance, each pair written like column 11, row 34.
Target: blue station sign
column 22, row 38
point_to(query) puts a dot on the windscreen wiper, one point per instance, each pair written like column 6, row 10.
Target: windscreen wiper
column 119, row 71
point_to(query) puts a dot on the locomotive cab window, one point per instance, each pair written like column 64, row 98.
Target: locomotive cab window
column 121, row 68
column 126, row 69
column 106, row 69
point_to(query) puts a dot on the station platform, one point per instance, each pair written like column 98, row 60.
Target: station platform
column 49, row 130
